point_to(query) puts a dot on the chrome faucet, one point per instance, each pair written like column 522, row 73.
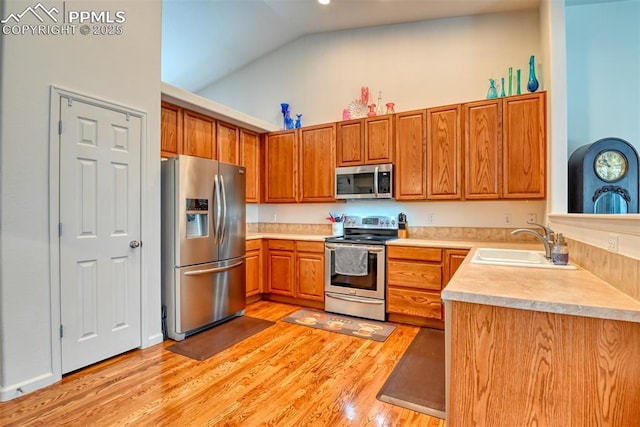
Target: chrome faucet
column 547, row 239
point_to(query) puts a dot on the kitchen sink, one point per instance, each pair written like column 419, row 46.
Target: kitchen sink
column 515, row 258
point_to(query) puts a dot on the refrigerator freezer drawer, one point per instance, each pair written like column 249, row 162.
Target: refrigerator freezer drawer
column 207, row 293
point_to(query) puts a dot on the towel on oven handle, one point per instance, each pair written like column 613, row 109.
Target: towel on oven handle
column 351, row 261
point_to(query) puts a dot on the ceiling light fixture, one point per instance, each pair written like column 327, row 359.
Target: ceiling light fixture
column 324, row 1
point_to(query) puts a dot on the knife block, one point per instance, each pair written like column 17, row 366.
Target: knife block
column 403, row 232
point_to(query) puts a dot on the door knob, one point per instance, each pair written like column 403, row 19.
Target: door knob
column 135, row 244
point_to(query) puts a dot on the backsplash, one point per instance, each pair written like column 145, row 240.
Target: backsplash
column 621, row 272
column 485, row 234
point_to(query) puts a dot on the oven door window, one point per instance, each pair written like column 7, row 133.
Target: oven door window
column 368, row 282
column 350, row 184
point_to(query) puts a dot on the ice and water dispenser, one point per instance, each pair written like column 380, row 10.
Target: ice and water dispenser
column 197, row 217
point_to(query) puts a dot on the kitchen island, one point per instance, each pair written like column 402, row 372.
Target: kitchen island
column 528, row 346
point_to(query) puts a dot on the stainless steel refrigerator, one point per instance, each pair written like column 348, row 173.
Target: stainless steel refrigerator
column 203, row 243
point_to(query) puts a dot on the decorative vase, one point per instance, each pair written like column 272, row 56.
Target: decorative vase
column 346, row 115
column 502, row 94
column 372, row 110
column 518, row 84
column 379, row 111
column 288, row 121
column 284, row 107
column 364, row 95
column 492, row 92
column 298, row 121
column 532, row 84
column 390, row 108
column 510, row 80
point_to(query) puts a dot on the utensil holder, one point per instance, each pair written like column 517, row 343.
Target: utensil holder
column 337, row 228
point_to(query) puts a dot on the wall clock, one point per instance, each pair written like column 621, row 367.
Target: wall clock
column 603, row 178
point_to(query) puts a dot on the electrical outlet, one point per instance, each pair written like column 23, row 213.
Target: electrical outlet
column 275, row 217
column 431, row 218
column 531, row 217
column 612, row 243
column 508, row 220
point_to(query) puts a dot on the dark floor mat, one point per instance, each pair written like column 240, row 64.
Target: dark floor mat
column 418, row 380
column 205, row 344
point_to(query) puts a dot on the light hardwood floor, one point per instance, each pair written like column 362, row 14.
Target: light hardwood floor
column 286, row 375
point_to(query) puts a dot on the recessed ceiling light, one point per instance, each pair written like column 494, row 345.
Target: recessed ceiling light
column 324, row 1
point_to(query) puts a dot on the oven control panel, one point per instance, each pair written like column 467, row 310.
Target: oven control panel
column 371, row 222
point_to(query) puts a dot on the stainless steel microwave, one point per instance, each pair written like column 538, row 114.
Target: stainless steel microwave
column 365, row 182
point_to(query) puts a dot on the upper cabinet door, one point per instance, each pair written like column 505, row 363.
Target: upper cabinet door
column 483, row 149
column 524, row 147
column 227, row 137
column 350, row 143
column 411, row 143
column 378, row 139
column 444, row 153
column 317, row 163
column 171, row 130
column 199, row 135
column 281, row 167
column 250, row 159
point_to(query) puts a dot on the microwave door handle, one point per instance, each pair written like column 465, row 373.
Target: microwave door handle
column 223, row 226
column 375, row 181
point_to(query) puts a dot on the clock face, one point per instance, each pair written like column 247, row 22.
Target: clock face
column 610, row 165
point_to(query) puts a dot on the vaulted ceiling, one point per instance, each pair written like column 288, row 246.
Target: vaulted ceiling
column 205, row 40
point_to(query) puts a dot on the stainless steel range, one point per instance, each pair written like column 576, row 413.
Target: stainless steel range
column 355, row 267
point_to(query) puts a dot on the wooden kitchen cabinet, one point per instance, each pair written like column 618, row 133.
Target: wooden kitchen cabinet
column 410, row 156
column 281, row 267
column 296, row 272
column 170, row 130
column 483, row 150
column 517, row 367
column 199, row 138
column 444, row 153
column 309, row 270
column 228, row 143
column 524, row 146
column 378, row 139
column 254, row 268
column 350, row 143
column 250, row 159
column 414, row 282
column 453, row 258
column 317, row 163
column 281, row 167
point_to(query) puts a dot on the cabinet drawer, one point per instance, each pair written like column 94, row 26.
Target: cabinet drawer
column 305, row 246
column 285, row 245
column 414, row 275
column 253, row 244
column 419, row 254
column 414, row 303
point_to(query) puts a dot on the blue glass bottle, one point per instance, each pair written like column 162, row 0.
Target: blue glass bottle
column 502, row 94
column 298, row 121
column 492, row 92
column 284, row 107
column 532, row 84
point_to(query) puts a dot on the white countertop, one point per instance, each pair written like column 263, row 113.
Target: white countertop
column 572, row 292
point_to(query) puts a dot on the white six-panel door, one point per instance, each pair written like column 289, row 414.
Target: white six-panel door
column 100, row 229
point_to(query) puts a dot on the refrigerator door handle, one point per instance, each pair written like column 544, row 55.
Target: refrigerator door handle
column 216, row 188
column 223, row 226
column 213, row 270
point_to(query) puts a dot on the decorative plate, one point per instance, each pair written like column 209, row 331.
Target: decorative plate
column 357, row 109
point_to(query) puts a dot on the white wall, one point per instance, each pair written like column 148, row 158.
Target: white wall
column 415, row 65
column 123, row 69
column 603, row 65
